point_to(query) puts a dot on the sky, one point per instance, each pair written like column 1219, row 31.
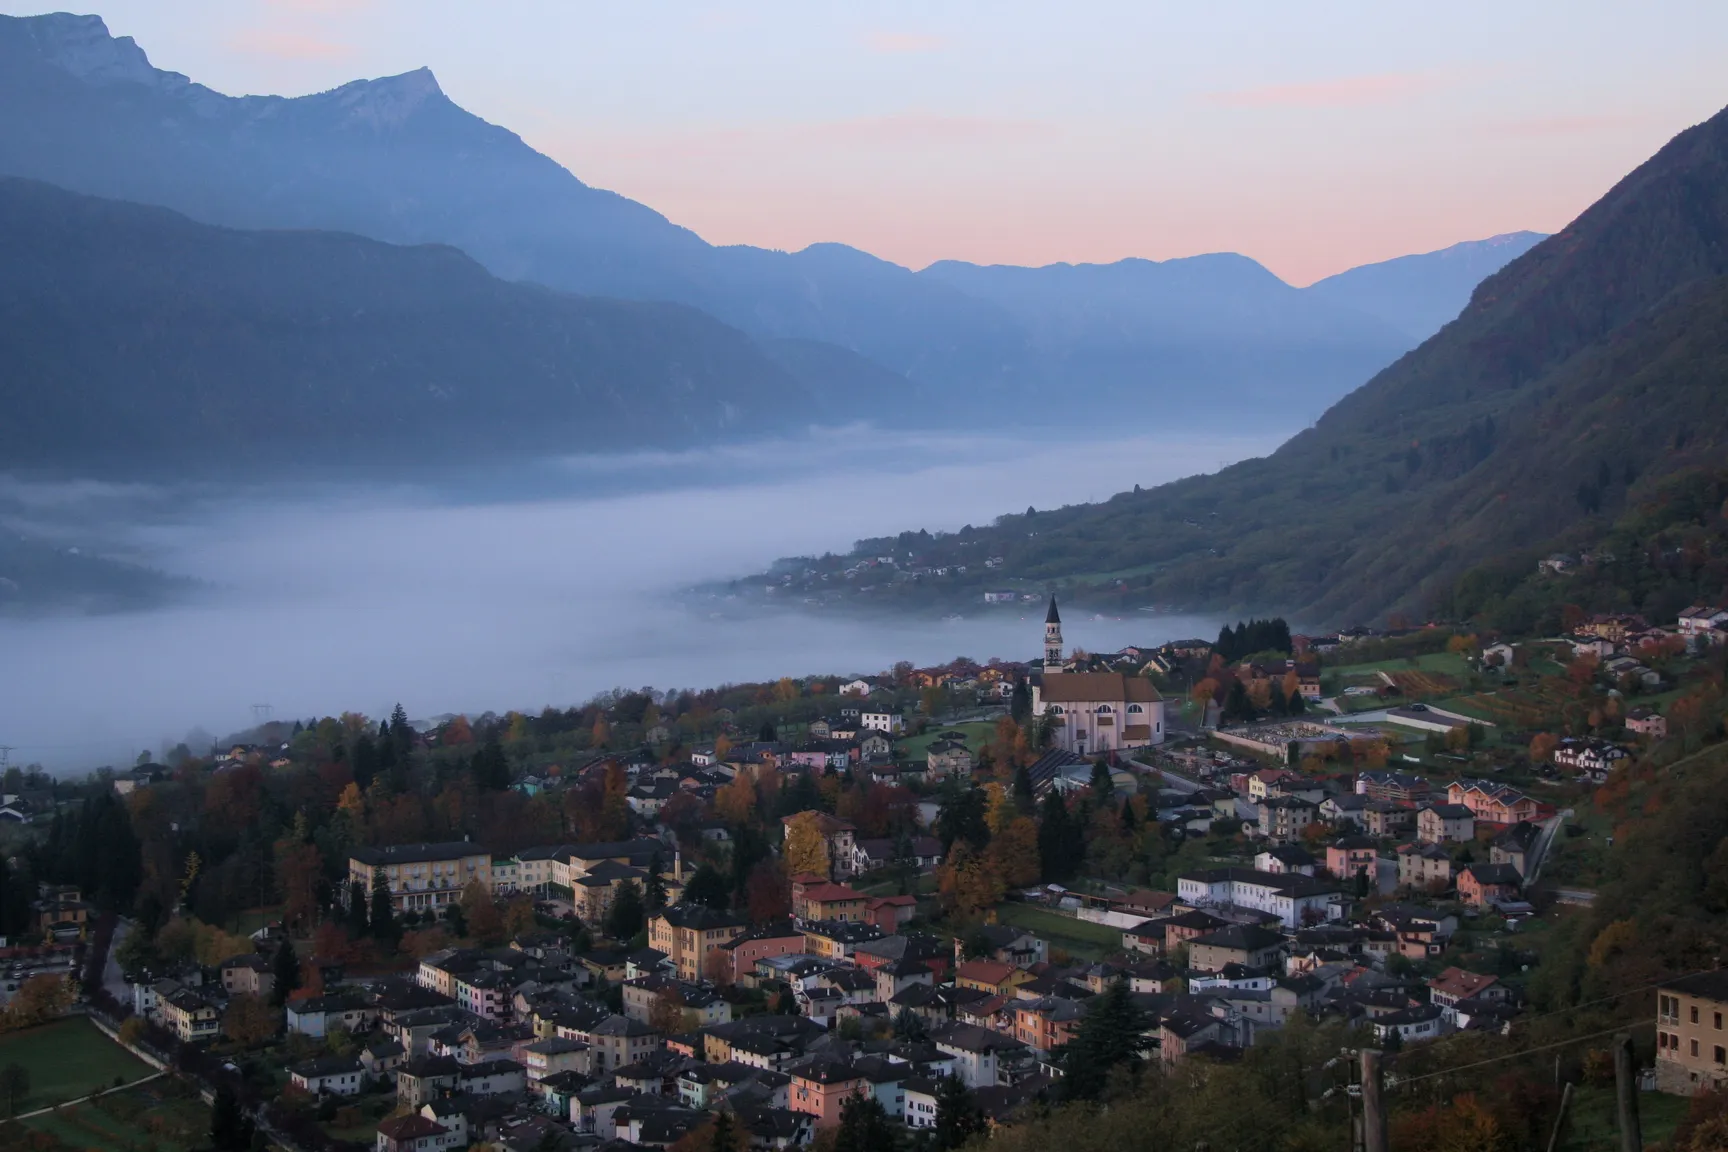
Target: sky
column 1312, row 136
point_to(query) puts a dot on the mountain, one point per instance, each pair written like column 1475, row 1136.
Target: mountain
column 1419, row 294
column 136, row 340
column 395, row 159
column 1578, row 380
column 1184, row 331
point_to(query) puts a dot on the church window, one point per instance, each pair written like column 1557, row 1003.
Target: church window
column 1135, row 709
column 1103, row 708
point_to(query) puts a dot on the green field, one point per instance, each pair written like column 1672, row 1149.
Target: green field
column 1081, row 937
column 976, row 732
column 1591, row 1126
column 163, row 1116
column 1448, row 663
column 66, row 1060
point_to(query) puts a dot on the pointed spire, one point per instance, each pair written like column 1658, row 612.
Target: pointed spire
column 1052, row 616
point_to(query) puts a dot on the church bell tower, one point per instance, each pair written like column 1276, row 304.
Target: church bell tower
column 1052, row 638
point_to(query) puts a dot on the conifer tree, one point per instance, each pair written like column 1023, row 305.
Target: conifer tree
column 382, row 920
column 285, row 969
column 958, row 1117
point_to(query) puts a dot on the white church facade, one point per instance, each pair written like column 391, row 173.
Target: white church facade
column 1094, row 712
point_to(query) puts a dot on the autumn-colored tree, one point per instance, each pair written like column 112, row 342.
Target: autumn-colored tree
column 722, row 748
column 768, row 892
column 1204, row 692
column 37, row 1001
column 1618, row 937
column 735, row 801
column 457, row 733
column 786, row 690
column 480, row 913
column 666, row 1013
column 804, row 849
column 717, row 967
column 1000, row 809
column 1013, row 852
column 1542, row 747
column 519, row 916
column 1260, row 693
column 298, row 868
column 1583, row 669
column 966, row 883
column 249, row 1021
column 601, row 734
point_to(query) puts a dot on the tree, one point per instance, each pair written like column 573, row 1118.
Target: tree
column 249, row 1021
column 480, row 915
column 967, row 883
column 1103, row 788
column 1020, row 703
column 768, row 893
column 37, row 1001
column 1542, row 746
column 1023, row 794
column 381, row 920
column 958, row 1117
column 908, row 1025
column 654, row 894
column 666, row 1014
column 1013, row 853
column 709, row 888
column 285, row 969
column 1112, row 1035
column 865, row 1127
column 961, row 815
column 230, row 1127
column 804, row 849
column 14, row 1086
column 1060, row 847
column 626, row 917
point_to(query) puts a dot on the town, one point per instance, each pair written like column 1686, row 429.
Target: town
column 916, row 907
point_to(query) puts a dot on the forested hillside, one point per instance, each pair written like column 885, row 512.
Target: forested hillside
column 1578, row 378
column 136, row 339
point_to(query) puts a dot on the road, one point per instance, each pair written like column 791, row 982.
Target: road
column 92, row 1096
column 1550, row 829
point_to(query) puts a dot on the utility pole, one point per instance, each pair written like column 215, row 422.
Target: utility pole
column 6, row 751
column 1373, row 1104
column 1626, row 1095
column 261, row 714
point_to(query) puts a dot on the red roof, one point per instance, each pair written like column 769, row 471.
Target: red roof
column 410, row 1127
column 827, row 890
column 991, row 972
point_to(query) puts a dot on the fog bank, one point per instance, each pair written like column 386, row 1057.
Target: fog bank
column 470, row 595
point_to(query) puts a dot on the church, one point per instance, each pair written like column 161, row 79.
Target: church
column 1094, row 712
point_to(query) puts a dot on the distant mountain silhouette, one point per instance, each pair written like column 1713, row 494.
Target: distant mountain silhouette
column 138, row 341
column 1579, row 378
column 396, row 160
column 1418, row 294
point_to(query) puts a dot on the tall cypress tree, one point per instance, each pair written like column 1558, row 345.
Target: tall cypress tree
column 958, row 1117
column 382, row 921
column 1111, row 1035
column 1056, row 840
column 285, row 968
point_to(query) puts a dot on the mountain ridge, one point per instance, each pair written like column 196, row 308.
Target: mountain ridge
column 396, row 160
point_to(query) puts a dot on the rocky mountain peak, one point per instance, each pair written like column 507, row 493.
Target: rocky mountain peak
column 83, row 46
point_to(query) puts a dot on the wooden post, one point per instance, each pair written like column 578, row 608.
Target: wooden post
column 1560, row 1118
column 1373, row 1107
column 1626, row 1095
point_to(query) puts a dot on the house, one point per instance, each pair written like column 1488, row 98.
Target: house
column 836, row 939
column 1455, row 985
column 1244, row 944
column 948, row 758
column 1515, row 845
column 839, row 835
column 888, row 723
column 1288, row 859
column 1445, row 824
column 976, row 1052
column 1589, row 755
column 1346, row 809
column 1047, row 1023
column 1424, row 866
column 1284, row 818
column 618, row 1041
column 1422, row 1022
column 189, row 1016
column 414, row 1133
column 421, row 876
column 1295, row 900
column 824, row 900
column 1383, row 818
column 778, row 939
column 1352, row 856
column 1691, row 1042
column 820, row 1087
column 689, row 934
column 1008, row 944
column 1394, row 787
column 247, row 975
column 1701, row 619
column 891, row 913
column 330, row 1076
column 1483, row 885
column 923, row 854
column 1492, row 803
column 1647, row 722
column 993, row 976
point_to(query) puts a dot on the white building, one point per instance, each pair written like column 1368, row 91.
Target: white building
column 1295, row 899
column 888, row 722
column 1094, row 712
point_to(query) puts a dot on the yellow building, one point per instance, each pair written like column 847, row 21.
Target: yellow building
column 689, row 933
column 1692, row 1033
column 422, row 876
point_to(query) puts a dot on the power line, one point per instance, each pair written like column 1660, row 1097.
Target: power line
column 1403, row 1080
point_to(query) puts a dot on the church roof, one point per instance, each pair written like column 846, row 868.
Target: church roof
column 1078, row 687
column 1052, row 616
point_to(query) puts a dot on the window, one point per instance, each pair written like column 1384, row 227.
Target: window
column 1694, row 1013
column 1104, row 709
column 1718, row 1021
column 1135, row 709
column 1721, row 1054
column 1694, row 1048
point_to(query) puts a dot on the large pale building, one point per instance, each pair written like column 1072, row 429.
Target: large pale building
column 1094, row 712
